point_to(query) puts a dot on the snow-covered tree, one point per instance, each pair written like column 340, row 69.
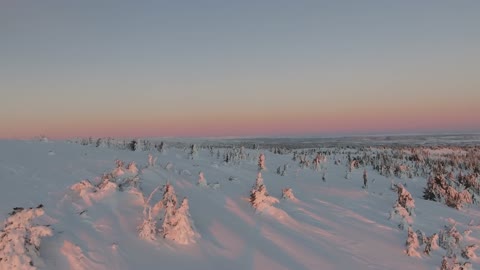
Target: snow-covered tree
column 287, row 193
column 468, row 252
column 261, row 162
column 259, row 197
column 412, row 243
column 147, row 230
column 162, row 147
column 405, row 199
column 431, row 244
column 20, row 240
column 403, row 207
column 132, row 167
column 193, row 151
column 201, row 180
column 169, row 195
column 178, row 225
column 365, row 178
column 151, row 160
column 119, row 170
column 258, row 180
column 449, row 239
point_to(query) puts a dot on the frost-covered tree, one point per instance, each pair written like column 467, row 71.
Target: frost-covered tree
column 403, row 207
column 132, row 146
column 258, row 181
column 119, row 170
column 318, row 160
column 449, row 239
column 259, row 197
column 201, row 180
column 132, row 167
column 169, row 195
column 20, row 240
column 179, row 226
column 151, row 160
column 431, row 244
column 405, row 199
column 439, row 189
column 261, row 162
column 365, row 178
column 193, row 151
column 287, row 193
column 468, row 252
column 168, row 219
column 147, row 230
column 412, row 243
column 162, row 147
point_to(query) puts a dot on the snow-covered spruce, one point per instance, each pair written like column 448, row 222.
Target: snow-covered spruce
column 449, row 239
column 365, row 179
column 431, row 244
column 193, row 151
column 442, row 190
column 412, row 243
column 282, row 170
column 178, row 225
column 468, row 252
column 453, row 264
column 20, row 240
column 152, row 161
column 119, row 170
column 318, row 160
column 201, row 180
column 422, row 238
column 405, row 199
column 259, row 197
column 147, row 230
column 261, row 162
column 258, row 181
column 403, row 207
column 287, row 194
column 132, row 167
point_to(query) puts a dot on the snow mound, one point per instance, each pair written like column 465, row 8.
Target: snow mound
column 20, row 240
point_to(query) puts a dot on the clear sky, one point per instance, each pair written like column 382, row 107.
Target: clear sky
column 238, row 68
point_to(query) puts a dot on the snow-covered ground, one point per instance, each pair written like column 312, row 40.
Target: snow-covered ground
column 332, row 224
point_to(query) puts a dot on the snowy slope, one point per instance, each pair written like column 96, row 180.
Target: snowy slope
column 334, row 224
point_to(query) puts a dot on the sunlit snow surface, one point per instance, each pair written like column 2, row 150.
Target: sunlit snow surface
column 333, row 224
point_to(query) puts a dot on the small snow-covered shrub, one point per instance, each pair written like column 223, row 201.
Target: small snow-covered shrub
column 20, row 240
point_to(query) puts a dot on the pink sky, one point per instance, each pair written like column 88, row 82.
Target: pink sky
column 367, row 118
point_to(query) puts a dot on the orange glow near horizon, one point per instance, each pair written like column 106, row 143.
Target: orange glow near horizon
column 368, row 118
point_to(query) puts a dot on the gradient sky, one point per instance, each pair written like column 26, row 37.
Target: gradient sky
column 238, row 68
